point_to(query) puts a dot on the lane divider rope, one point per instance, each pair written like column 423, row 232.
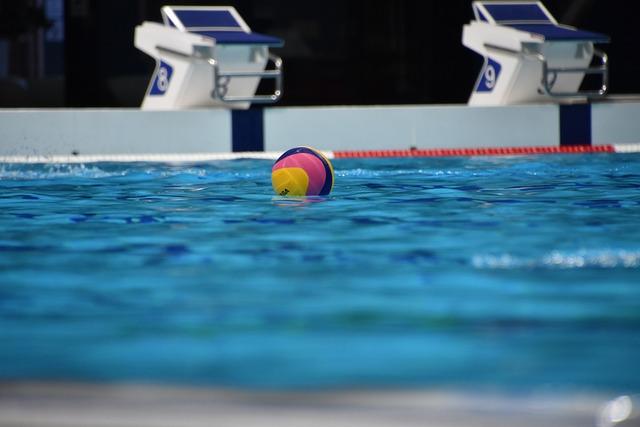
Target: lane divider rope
column 340, row 154
column 480, row 151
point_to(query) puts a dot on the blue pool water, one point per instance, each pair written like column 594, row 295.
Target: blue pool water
column 489, row 272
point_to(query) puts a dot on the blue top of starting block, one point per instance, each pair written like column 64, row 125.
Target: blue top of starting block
column 221, row 23
column 240, row 37
column 531, row 17
column 526, row 11
column 560, row 33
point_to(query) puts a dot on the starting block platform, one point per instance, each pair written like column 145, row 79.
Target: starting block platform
column 207, row 56
column 529, row 56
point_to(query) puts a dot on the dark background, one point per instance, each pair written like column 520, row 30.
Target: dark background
column 80, row 53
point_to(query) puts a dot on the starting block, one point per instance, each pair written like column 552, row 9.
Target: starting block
column 207, row 56
column 529, row 57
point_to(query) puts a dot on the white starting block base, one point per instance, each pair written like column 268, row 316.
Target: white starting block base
column 206, row 56
column 529, row 56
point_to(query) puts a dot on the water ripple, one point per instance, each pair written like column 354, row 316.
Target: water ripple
column 561, row 260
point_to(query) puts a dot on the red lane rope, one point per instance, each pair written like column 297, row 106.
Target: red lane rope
column 482, row 151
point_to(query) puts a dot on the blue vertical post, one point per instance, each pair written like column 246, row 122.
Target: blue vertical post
column 575, row 124
column 247, row 130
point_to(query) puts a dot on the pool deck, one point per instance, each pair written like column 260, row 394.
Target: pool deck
column 40, row 404
column 121, row 134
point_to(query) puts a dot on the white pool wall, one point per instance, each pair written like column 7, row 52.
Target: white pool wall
column 112, row 131
column 403, row 127
column 615, row 122
column 120, row 132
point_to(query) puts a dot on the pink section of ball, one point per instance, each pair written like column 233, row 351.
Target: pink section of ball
column 311, row 164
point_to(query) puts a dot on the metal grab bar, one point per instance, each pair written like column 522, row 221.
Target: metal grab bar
column 547, row 83
column 221, row 82
column 221, row 79
column 602, row 69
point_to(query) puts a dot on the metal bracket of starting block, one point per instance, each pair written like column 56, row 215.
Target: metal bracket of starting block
column 221, row 79
column 549, row 74
column 221, row 82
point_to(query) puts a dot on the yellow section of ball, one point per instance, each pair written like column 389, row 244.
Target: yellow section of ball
column 290, row 181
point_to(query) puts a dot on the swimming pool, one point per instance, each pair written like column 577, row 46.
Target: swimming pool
column 463, row 272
